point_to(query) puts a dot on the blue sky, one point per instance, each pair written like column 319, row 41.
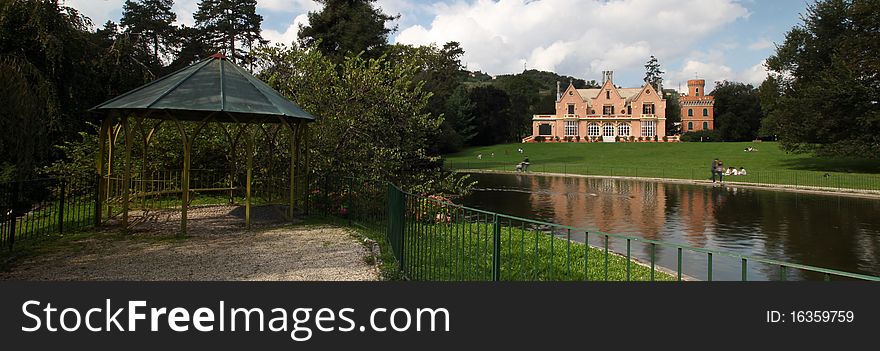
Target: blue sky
column 711, row 39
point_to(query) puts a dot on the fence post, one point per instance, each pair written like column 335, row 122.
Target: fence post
column 496, row 248
column 98, row 200
column 13, row 204
column 61, row 207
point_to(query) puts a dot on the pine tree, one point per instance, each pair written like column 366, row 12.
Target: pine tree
column 653, row 74
column 152, row 22
column 346, row 27
column 230, row 25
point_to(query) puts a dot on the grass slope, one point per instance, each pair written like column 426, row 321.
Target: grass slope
column 676, row 160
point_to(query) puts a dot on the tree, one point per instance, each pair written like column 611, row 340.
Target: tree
column 49, row 80
column 495, row 124
column 523, row 95
column 828, row 98
column 151, row 21
column 653, row 74
column 347, row 27
column 371, row 120
column 673, row 112
column 768, row 94
column 193, row 47
column 230, row 25
column 737, row 111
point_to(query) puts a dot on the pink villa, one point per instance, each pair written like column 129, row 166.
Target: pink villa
column 607, row 114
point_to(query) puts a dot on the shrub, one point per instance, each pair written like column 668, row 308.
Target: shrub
column 665, row 138
column 632, row 138
column 568, row 139
column 704, row 135
column 577, row 138
column 539, row 138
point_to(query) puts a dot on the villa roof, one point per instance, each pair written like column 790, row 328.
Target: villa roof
column 627, row 93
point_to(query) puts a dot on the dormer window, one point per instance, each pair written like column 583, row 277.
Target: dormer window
column 571, row 109
column 608, row 110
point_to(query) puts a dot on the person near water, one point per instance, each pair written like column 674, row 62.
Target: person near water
column 719, row 170
column 525, row 164
column 712, row 168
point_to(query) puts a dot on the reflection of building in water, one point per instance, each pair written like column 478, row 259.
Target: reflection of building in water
column 609, row 205
column 696, row 212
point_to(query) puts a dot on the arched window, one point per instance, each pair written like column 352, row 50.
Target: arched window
column 690, row 125
column 608, row 129
column 690, row 112
column 623, row 129
column 705, row 112
column 705, row 125
column 648, row 129
column 593, row 129
column 571, row 128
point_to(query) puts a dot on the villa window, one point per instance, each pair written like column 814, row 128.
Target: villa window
column 608, row 129
column 623, row 129
column 705, row 112
column 593, row 129
column 629, row 110
column 705, row 125
column 690, row 112
column 647, row 109
column 697, row 91
column 690, row 125
column 648, row 129
column 608, row 94
column 571, row 109
column 571, row 128
column 608, row 110
column 545, row 129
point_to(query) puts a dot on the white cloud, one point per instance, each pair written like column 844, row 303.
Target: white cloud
column 289, row 5
column 760, row 44
column 712, row 68
column 289, row 35
column 99, row 11
column 579, row 37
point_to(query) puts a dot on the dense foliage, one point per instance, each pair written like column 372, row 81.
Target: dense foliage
column 829, row 87
column 737, row 111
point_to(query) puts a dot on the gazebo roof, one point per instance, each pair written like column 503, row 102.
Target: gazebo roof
column 214, row 87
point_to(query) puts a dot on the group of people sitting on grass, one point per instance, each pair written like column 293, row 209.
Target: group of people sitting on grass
column 718, row 170
column 732, row 171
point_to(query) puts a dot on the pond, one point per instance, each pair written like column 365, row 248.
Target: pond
column 828, row 231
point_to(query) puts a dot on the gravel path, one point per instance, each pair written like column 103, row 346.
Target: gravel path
column 291, row 252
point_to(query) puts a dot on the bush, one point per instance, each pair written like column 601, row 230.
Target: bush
column 665, row 138
column 539, row 138
column 704, row 135
column 568, row 139
column 577, row 138
column 632, row 138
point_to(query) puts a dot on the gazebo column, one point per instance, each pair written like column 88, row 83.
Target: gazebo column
column 305, row 136
column 250, row 165
column 103, row 139
column 292, row 130
column 126, row 175
column 184, row 176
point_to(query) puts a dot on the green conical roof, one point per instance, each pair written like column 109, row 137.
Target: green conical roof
column 213, row 87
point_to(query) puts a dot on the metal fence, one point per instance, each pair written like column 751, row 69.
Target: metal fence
column 807, row 180
column 434, row 239
column 39, row 208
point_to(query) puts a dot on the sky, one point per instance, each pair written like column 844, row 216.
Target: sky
column 708, row 39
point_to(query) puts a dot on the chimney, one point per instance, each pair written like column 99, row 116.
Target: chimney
column 558, row 92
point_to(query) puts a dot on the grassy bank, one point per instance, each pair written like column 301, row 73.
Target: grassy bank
column 464, row 251
column 768, row 164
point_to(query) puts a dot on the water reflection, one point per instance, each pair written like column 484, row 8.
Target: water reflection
column 835, row 232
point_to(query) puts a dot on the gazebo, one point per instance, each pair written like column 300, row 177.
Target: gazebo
column 213, row 90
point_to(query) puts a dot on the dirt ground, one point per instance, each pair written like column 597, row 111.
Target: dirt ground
column 217, row 248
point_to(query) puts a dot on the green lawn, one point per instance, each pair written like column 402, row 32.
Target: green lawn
column 676, row 160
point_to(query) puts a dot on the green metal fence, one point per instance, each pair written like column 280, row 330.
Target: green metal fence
column 807, row 180
column 434, row 239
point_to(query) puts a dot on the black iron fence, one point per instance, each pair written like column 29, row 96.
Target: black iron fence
column 39, row 208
